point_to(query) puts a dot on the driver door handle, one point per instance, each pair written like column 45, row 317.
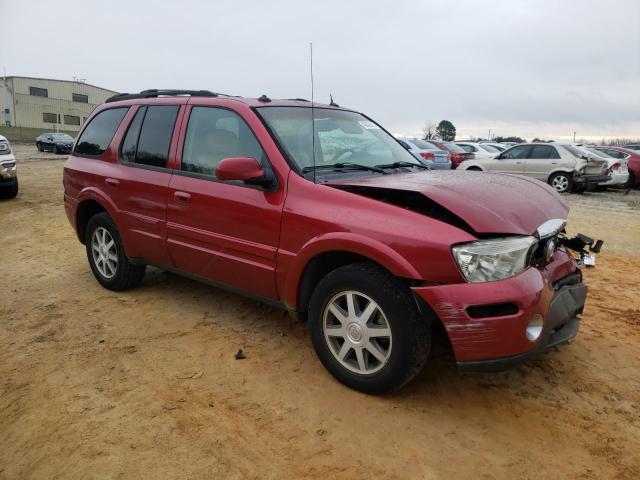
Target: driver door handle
column 112, row 182
column 182, row 197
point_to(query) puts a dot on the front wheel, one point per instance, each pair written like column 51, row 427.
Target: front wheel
column 366, row 329
column 561, row 182
column 106, row 255
column 39, row 147
column 10, row 191
column 55, row 149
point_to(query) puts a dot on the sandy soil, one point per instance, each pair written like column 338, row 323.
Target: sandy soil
column 143, row 384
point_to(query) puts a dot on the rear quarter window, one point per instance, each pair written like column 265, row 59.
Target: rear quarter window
column 97, row 136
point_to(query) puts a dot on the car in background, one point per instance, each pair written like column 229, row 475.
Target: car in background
column 563, row 166
column 8, row 170
column 456, row 154
column 633, row 162
column 617, row 168
column 480, row 150
column 496, row 145
column 54, row 142
column 634, row 146
column 428, row 154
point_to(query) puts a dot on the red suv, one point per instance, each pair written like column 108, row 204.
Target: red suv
column 319, row 210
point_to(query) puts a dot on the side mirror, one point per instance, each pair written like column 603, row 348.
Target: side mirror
column 246, row 169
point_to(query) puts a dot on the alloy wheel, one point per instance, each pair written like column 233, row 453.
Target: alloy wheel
column 560, row 183
column 105, row 255
column 357, row 332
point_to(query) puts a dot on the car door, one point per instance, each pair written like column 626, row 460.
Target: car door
column 225, row 231
column 510, row 161
column 542, row 160
column 140, row 184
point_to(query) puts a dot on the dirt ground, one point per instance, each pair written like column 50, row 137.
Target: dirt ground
column 143, row 384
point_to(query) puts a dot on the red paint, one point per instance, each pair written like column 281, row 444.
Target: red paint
column 261, row 240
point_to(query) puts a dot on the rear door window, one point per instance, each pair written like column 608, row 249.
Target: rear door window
column 543, row 151
column 149, row 135
column 97, row 136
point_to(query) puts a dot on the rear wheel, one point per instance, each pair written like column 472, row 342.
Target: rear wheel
column 561, row 182
column 106, row 255
column 55, row 149
column 366, row 329
column 631, row 182
column 39, row 146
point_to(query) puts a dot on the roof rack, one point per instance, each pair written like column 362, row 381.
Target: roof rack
column 154, row 92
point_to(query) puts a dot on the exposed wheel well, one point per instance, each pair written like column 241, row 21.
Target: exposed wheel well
column 317, row 268
column 86, row 210
column 477, row 169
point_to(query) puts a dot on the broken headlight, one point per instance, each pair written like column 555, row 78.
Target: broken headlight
column 494, row 259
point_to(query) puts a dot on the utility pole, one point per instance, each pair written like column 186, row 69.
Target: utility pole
column 574, row 137
column 489, row 137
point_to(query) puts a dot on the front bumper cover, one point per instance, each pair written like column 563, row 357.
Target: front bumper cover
column 561, row 326
column 486, row 322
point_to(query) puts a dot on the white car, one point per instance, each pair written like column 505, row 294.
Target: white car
column 500, row 146
column 427, row 153
column 563, row 166
column 8, row 170
column 617, row 167
column 482, row 151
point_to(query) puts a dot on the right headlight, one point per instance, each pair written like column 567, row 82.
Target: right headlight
column 494, row 259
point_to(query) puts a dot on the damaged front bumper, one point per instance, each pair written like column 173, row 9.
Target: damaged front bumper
column 487, row 322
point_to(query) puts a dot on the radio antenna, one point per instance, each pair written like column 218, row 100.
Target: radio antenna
column 313, row 123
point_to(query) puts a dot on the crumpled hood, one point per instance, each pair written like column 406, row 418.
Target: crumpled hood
column 487, row 202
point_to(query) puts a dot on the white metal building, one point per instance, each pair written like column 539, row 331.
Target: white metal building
column 47, row 103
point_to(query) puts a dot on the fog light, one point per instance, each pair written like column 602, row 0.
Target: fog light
column 534, row 328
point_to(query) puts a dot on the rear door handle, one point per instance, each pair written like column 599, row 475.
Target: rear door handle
column 112, row 182
column 182, row 197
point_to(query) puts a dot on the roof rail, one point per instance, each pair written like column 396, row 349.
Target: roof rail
column 157, row 93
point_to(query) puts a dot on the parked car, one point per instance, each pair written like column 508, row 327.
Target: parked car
column 481, row 151
column 366, row 244
column 633, row 162
column 54, row 142
column 456, row 154
column 617, row 169
column 8, row 170
column 498, row 146
column 431, row 156
column 634, row 146
column 563, row 166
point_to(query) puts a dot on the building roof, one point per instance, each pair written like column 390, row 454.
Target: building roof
column 58, row 80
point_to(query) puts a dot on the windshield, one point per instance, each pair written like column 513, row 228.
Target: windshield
column 600, row 153
column 575, row 151
column 62, row 136
column 340, row 136
column 452, row 147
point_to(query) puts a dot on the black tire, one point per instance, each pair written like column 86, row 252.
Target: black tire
column 562, row 182
column 127, row 275
column 55, row 149
column 10, row 191
column 631, row 183
column 411, row 334
column 39, row 147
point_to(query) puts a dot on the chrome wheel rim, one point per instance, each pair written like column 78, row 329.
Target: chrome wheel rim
column 357, row 332
column 105, row 255
column 560, row 183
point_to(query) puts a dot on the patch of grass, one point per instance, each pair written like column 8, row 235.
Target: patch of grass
column 26, row 134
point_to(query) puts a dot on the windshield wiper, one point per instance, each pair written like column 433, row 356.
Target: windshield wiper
column 340, row 165
column 403, row 164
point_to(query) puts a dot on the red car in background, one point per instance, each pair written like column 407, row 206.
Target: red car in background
column 633, row 159
column 458, row 155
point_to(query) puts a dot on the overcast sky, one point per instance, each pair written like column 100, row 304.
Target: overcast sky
column 528, row 68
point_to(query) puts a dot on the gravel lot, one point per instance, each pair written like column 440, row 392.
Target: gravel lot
column 143, row 384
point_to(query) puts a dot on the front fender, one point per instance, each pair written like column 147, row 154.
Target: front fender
column 291, row 265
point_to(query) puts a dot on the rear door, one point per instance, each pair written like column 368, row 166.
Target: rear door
column 226, row 231
column 543, row 159
column 141, row 183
